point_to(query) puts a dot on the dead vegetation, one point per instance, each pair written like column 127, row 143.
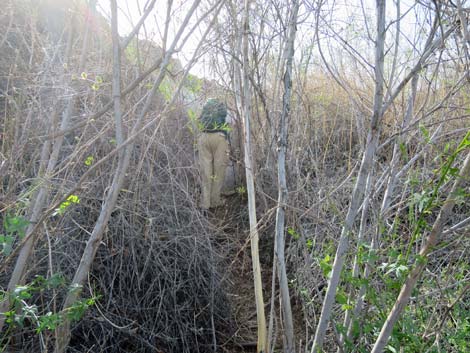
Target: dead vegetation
column 167, row 277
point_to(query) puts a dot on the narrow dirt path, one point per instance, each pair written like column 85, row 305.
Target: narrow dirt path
column 232, row 229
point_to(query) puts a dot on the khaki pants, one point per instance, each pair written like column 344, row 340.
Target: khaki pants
column 213, row 160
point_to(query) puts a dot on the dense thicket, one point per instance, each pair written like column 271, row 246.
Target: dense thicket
column 167, row 276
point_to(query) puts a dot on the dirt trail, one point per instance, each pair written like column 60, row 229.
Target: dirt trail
column 232, row 229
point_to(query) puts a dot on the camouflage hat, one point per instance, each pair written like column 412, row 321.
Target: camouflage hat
column 214, row 109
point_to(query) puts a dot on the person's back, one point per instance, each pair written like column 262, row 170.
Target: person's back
column 213, row 151
column 213, row 116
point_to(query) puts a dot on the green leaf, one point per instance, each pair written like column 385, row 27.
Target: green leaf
column 192, row 114
column 7, row 248
column 39, row 281
column 241, row 190
column 291, row 231
column 55, row 281
column 84, row 75
column 165, row 89
column 22, row 292
column 425, row 132
column 453, row 171
column 341, row 298
column 194, row 84
column 341, row 329
column 77, row 310
column 89, row 161
column 404, row 151
column 309, row 244
column 401, row 270
column 10, row 315
column 15, row 224
column 421, row 260
column 325, row 266
column 49, row 321
column 72, row 199
column 90, row 301
column 446, row 148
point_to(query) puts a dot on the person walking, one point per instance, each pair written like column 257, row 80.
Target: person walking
column 213, row 150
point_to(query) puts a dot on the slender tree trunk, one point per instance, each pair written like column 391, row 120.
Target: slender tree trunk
column 420, row 263
column 465, row 36
column 358, row 192
column 43, row 192
column 254, row 236
column 117, row 77
column 63, row 332
column 279, row 242
column 272, row 312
